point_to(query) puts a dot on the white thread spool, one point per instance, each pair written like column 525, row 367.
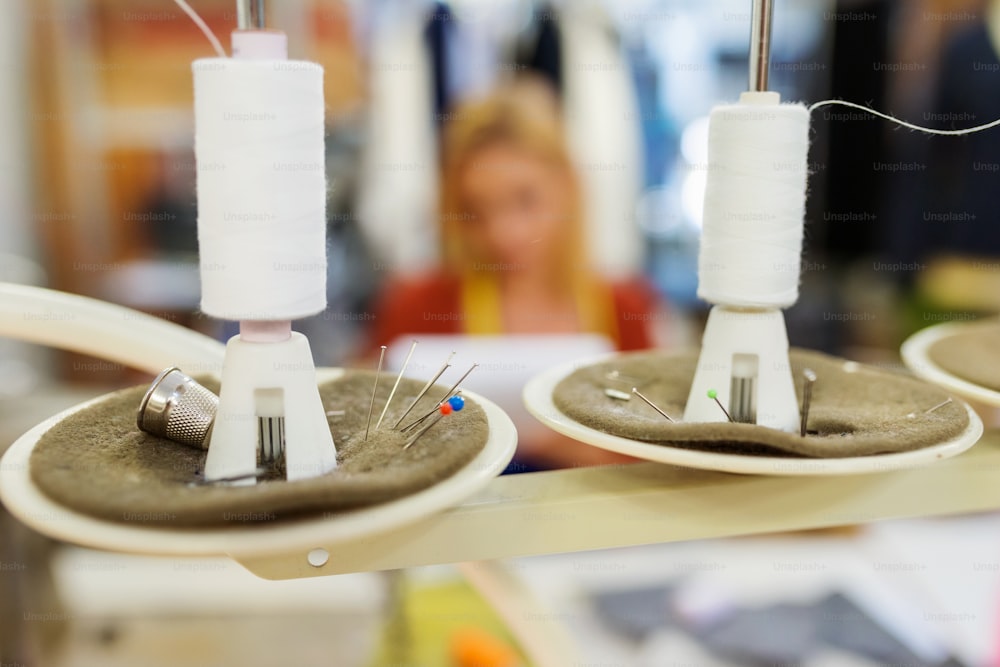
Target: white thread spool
column 261, row 188
column 751, row 241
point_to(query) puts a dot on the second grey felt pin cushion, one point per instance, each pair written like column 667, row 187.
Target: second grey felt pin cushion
column 857, row 410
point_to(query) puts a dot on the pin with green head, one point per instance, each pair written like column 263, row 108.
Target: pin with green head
column 714, row 395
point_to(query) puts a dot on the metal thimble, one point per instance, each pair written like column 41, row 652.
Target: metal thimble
column 179, row 409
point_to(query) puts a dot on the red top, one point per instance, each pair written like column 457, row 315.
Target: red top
column 432, row 304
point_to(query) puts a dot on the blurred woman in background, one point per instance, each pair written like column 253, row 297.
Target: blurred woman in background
column 513, row 247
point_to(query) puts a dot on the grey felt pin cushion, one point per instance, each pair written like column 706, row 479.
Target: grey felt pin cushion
column 856, row 410
column 97, row 462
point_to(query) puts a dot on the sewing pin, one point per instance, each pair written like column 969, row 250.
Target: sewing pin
column 809, row 379
column 932, row 409
column 399, row 378
column 371, row 405
column 430, row 383
column 448, row 394
column 939, row 405
column 616, row 376
column 652, row 405
column 618, row 395
column 447, row 397
column 714, row 395
column 454, row 404
column 256, row 474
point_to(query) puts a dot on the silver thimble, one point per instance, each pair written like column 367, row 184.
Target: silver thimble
column 179, row 409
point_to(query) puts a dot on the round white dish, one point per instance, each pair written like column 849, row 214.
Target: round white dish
column 29, row 504
column 916, row 355
column 538, row 400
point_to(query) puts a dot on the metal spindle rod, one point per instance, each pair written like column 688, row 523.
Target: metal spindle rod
column 760, row 44
column 250, row 14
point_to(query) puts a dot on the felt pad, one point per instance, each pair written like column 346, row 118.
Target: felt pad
column 856, row 410
column 97, row 462
column 972, row 354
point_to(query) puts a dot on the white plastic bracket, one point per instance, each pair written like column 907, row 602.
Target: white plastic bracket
column 739, row 344
column 270, row 380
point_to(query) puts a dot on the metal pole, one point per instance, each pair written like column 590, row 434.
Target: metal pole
column 258, row 14
column 250, row 14
column 760, row 44
column 243, row 14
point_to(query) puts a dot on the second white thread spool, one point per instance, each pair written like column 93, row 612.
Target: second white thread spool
column 751, row 241
column 261, row 188
column 749, row 263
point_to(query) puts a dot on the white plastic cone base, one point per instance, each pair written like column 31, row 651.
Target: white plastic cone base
column 732, row 332
column 251, row 376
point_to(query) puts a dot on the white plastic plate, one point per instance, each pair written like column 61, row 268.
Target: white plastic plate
column 915, row 353
column 29, row 504
column 538, row 399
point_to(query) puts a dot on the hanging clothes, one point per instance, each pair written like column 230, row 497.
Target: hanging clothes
column 602, row 123
column 426, row 60
column 540, row 52
column 397, row 197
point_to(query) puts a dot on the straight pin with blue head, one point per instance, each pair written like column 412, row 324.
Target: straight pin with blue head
column 423, row 392
column 453, row 404
column 448, row 394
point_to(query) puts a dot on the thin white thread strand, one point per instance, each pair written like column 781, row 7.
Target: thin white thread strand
column 903, row 123
column 198, row 21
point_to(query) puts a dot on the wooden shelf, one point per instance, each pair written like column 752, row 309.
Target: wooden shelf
column 646, row 503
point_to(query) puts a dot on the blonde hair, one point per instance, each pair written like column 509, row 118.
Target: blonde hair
column 526, row 116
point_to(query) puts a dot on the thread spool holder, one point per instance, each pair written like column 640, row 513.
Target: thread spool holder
column 269, row 380
column 744, row 356
column 268, row 376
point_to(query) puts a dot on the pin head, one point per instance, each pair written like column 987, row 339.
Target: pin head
column 713, row 394
column 456, row 403
column 446, row 409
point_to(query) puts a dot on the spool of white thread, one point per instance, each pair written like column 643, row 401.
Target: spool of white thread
column 261, row 188
column 751, row 240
